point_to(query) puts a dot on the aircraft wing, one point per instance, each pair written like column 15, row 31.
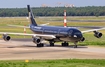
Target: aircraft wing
column 25, row 26
column 92, row 30
column 44, row 24
column 26, row 34
column 88, row 27
column 19, row 26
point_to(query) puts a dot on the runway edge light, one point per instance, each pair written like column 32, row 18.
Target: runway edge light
column 26, row 61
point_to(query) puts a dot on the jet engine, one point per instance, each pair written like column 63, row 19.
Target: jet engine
column 36, row 40
column 97, row 34
column 6, row 37
column 82, row 39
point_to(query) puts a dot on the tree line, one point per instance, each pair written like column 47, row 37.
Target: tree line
column 54, row 11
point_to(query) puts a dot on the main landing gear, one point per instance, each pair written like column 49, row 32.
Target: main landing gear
column 40, row 45
column 51, row 43
column 65, row 44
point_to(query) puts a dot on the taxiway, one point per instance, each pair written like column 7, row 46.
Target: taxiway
column 21, row 50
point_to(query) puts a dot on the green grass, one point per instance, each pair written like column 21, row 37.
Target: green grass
column 54, row 21
column 55, row 63
column 92, row 40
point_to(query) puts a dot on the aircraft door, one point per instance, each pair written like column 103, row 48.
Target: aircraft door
column 70, row 33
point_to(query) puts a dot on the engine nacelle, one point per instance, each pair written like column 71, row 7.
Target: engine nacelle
column 97, row 34
column 6, row 37
column 36, row 40
column 82, row 39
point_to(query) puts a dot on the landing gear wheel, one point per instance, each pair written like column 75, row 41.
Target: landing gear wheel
column 65, row 44
column 75, row 46
column 51, row 44
column 40, row 45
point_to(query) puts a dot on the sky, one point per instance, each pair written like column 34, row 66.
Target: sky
column 38, row 3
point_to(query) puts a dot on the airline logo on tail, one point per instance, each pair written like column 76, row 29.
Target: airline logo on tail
column 31, row 16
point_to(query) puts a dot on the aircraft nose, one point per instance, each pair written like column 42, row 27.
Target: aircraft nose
column 75, row 33
column 78, row 35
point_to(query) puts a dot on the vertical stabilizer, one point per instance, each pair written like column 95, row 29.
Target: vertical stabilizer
column 31, row 16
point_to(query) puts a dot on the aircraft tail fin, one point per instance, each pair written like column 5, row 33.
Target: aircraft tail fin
column 31, row 16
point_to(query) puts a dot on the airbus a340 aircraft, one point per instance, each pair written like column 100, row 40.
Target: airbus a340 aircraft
column 53, row 33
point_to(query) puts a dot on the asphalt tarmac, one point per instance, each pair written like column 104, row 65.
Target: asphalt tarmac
column 26, row 49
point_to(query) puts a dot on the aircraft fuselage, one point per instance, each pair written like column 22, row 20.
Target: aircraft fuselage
column 61, row 33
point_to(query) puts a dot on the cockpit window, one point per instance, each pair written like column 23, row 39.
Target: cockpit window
column 78, row 34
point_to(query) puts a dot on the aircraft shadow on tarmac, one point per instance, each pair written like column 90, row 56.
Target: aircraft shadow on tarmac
column 46, row 45
column 70, row 46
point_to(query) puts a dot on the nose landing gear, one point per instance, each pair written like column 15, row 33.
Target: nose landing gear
column 75, row 45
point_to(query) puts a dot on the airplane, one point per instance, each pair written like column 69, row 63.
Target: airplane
column 53, row 34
